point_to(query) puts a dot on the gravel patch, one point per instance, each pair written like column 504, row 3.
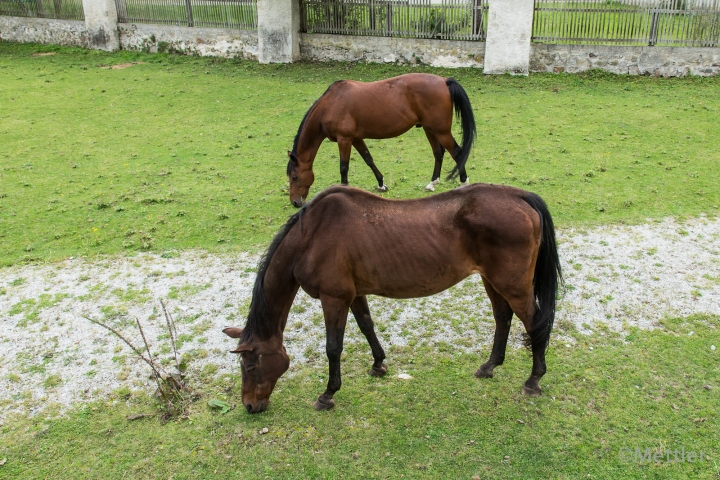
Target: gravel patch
column 619, row 277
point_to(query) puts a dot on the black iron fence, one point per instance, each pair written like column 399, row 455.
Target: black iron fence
column 61, row 9
column 240, row 14
column 445, row 19
column 674, row 23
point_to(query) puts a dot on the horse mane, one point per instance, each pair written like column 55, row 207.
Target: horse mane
column 302, row 124
column 258, row 321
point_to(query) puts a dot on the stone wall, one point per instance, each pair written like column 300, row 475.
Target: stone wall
column 656, row 61
column 43, row 30
column 189, row 40
column 407, row 51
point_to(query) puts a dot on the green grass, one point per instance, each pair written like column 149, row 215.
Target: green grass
column 187, row 152
column 654, row 390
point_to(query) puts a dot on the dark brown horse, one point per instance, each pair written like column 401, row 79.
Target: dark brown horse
column 349, row 112
column 347, row 243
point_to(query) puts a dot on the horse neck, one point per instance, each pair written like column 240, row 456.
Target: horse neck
column 279, row 290
column 310, row 138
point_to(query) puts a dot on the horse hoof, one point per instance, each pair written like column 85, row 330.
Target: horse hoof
column 382, row 189
column 378, row 371
column 430, row 187
column 531, row 392
column 466, row 182
column 482, row 373
column 320, row 406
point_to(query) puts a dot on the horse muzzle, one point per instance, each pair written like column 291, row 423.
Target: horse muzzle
column 298, row 202
column 256, row 407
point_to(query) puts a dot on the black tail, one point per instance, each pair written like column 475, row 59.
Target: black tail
column 464, row 111
column 548, row 276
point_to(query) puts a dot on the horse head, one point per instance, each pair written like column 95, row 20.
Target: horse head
column 261, row 364
column 301, row 178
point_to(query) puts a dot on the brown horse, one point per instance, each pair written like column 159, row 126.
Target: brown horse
column 347, row 243
column 349, row 112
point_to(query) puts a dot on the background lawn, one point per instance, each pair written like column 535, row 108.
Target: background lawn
column 185, row 152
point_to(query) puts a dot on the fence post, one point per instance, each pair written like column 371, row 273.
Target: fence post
column 188, row 11
column 101, row 21
column 278, row 31
column 507, row 48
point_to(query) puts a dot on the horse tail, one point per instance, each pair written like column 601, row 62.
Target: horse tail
column 463, row 110
column 548, row 276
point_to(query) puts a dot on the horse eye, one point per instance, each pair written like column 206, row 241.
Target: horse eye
column 250, row 368
column 295, row 179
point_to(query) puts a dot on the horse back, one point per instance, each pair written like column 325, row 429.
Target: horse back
column 385, row 108
column 353, row 242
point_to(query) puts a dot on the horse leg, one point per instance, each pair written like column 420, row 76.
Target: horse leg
column 527, row 311
column 448, row 141
column 361, row 312
column 503, row 318
column 362, row 149
column 438, row 153
column 335, row 311
column 344, row 144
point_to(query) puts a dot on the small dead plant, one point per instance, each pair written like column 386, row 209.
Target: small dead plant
column 172, row 391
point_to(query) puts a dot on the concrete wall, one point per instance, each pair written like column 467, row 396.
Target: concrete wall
column 656, row 61
column 508, row 36
column 278, row 31
column 101, row 21
column 347, row 48
column 43, row 30
column 189, row 40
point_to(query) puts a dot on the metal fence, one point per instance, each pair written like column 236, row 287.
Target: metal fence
column 240, row 14
column 445, row 19
column 63, row 9
column 673, row 23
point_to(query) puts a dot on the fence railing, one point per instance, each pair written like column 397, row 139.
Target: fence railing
column 445, row 19
column 672, row 23
column 61, row 9
column 240, row 14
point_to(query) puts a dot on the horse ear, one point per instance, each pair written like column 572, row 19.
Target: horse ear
column 232, row 332
column 243, row 347
column 293, row 158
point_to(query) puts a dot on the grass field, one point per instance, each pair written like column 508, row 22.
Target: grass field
column 655, row 390
column 176, row 153
column 181, row 152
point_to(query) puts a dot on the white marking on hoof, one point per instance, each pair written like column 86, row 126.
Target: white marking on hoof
column 466, row 182
column 431, row 186
column 382, row 188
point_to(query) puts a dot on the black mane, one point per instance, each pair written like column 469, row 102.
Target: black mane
column 302, row 124
column 258, row 321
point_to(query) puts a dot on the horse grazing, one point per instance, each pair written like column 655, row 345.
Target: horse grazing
column 349, row 112
column 347, row 243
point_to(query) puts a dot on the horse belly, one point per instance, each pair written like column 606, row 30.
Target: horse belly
column 414, row 278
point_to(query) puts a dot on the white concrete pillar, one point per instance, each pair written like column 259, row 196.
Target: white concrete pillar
column 507, row 48
column 101, row 21
column 278, row 31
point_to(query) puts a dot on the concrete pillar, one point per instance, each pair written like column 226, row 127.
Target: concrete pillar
column 507, row 48
column 278, row 31
column 101, row 21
